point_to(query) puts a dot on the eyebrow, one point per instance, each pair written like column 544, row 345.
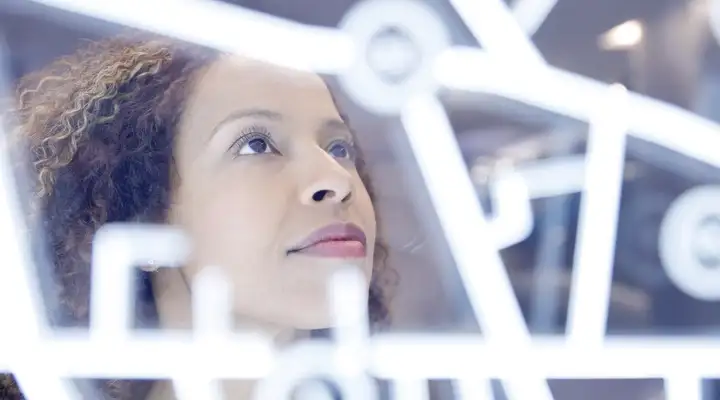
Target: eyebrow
column 249, row 113
column 332, row 124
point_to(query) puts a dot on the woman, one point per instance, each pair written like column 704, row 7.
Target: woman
column 252, row 161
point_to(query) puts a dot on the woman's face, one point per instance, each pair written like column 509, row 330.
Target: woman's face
column 268, row 190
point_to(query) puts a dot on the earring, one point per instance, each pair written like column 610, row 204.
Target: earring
column 150, row 266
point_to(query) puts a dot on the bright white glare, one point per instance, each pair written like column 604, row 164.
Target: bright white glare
column 575, row 96
column 512, row 219
column 482, row 270
column 473, row 388
column 413, row 356
column 624, row 36
column 228, row 28
column 681, row 232
column 20, row 290
column 394, row 56
column 398, row 356
column 557, row 176
column 494, row 27
column 455, row 201
column 531, row 14
column 598, row 218
column 348, row 297
column 410, row 389
column 683, row 387
column 119, row 250
column 212, row 304
column 196, row 386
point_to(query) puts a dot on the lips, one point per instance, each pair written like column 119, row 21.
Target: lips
column 334, row 241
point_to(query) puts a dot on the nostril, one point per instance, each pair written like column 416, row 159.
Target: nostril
column 321, row 195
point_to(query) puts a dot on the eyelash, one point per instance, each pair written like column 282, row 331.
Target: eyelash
column 259, row 131
column 248, row 134
column 352, row 152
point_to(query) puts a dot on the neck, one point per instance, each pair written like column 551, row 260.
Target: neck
column 173, row 302
column 281, row 335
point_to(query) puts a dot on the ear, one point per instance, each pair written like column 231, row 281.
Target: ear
column 173, row 298
column 174, row 214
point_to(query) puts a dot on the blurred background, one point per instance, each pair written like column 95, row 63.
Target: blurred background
column 661, row 48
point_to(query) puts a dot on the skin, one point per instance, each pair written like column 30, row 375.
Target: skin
column 102, row 125
column 223, row 189
column 245, row 210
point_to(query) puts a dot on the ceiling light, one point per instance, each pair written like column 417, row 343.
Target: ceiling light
column 623, row 36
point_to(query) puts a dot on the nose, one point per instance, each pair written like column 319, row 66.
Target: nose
column 331, row 184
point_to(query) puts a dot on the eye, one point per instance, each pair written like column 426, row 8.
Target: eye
column 341, row 149
column 254, row 141
column 255, row 145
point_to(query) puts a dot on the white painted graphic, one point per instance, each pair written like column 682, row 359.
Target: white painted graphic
column 391, row 56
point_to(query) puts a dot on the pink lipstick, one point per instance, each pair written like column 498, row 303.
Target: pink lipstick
column 334, row 241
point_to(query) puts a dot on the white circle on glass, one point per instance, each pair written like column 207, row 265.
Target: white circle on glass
column 689, row 242
column 399, row 41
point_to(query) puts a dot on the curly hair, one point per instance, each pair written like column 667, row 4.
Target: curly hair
column 98, row 127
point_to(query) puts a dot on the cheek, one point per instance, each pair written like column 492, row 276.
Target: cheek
column 232, row 218
column 366, row 213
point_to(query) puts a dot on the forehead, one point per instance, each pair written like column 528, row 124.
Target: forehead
column 233, row 84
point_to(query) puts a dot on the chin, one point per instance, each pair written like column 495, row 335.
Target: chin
column 313, row 319
column 314, row 325
column 298, row 314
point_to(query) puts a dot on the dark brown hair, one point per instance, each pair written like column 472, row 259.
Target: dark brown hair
column 98, row 127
